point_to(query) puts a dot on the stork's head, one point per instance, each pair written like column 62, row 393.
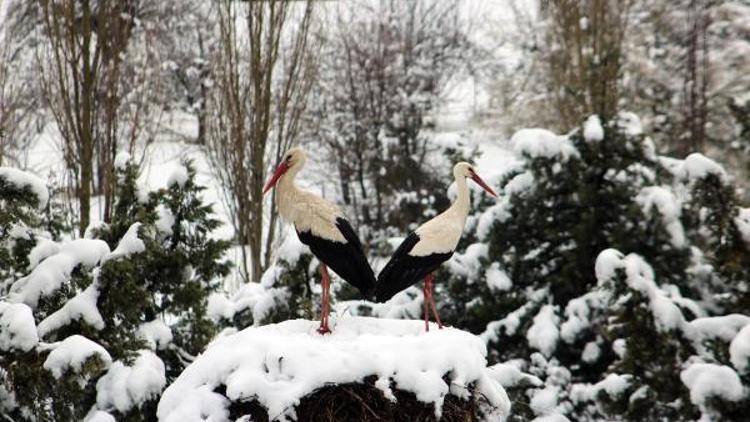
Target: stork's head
column 293, row 160
column 466, row 170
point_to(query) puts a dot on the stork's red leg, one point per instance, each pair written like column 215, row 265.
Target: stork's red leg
column 325, row 296
column 429, row 284
column 426, row 294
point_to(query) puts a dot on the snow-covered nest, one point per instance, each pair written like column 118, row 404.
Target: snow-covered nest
column 278, row 365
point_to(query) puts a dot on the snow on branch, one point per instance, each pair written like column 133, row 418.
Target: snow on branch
column 51, row 273
column 24, row 180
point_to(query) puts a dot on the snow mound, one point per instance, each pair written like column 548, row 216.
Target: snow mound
column 544, row 332
column 17, row 329
column 592, row 129
column 697, row 166
column 121, row 160
column 21, row 180
column 742, row 221
column 125, row 387
column 72, row 353
column 156, row 333
column 179, row 176
column 720, row 327
column 542, row 143
column 279, row 364
column 630, row 123
column 51, row 273
column 739, row 350
column 99, row 416
column 706, row 380
column 497, row 278
column 129, row 244
column 507, row 375
column 43, row 249
column 256, row 297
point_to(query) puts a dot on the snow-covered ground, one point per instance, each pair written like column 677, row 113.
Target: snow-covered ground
column 279, row 364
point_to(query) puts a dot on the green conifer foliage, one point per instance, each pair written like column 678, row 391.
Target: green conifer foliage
column 162, row 266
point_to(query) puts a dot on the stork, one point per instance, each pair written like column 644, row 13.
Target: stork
column 321, row 226
column 427, row 247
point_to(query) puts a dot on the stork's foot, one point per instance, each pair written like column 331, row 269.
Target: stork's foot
column 323, row 330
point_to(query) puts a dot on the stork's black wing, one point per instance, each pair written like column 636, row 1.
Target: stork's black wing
column 346, row 259
column 403, row 269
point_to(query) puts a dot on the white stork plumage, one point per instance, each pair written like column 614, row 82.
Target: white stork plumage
column 429, row 245
column 321, row 226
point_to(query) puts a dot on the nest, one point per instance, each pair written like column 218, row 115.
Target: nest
column 365, row 403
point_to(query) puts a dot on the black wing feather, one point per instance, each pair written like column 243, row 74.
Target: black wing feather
column 404, row 270
column 347, row 259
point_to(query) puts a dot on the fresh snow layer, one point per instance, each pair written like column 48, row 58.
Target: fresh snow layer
column 544, row 332
column 724, row 327
column 640, row 277
column 578, row 313
column 630, row 123
column 280, row 364
column 156, row 333
column 545, row 400
column 21, row 179
column 99, row 416
column 178, row 176
column 124, row 387
column 497, row 279
column 51, row 273
column 669, row 208
column 469, row 264
column 72, row 353
column 256, row 297
column 17, row 329
column 697, row 166
column 742, row 221
column 542, row 143
column 43, row 249
column 706, row 380
column 592, row 129
column 508, row 375
column 739, row 350
column 81, row 307
column 121, row 160
column 613, row 384
column 129, row 244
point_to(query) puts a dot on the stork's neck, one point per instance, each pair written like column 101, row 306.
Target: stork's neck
column 286, row 192
column 462, row 203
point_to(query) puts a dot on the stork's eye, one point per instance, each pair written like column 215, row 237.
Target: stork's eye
column 288, row 157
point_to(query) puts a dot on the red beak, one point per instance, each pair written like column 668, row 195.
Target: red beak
column 280, row 170
column 481, row 183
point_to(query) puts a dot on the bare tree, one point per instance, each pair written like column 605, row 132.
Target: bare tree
column 19, row 105
column 583, row 54
column 385, row 68
column 263, row 71
column 96, row 93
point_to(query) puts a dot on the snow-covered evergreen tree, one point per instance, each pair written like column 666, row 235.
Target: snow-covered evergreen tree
column 98, row 325
column 530, row 279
